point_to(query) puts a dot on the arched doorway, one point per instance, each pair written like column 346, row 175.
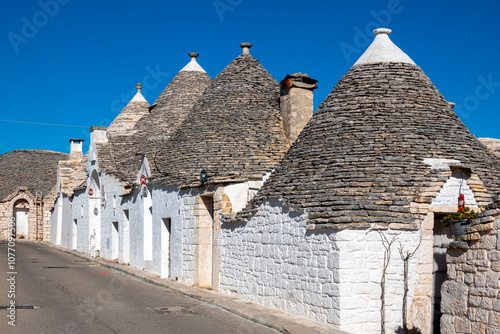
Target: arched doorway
column 21, row 214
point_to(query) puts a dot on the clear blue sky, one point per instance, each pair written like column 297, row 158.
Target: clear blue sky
column 77, row 62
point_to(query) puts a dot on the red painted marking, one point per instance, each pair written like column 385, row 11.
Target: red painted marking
column 103, row 273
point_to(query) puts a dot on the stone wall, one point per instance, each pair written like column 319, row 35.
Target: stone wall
column 471, row 295
column 38, row 227
column 325, row 275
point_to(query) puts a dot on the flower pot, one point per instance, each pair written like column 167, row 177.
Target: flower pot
column 459, row 226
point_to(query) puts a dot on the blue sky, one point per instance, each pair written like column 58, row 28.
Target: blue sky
column 74, row 62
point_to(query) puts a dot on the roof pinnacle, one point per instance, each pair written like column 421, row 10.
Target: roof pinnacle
column 382, row 31
column 383, row 50
column 193, row 64
column 246, row 48
column 138, row 97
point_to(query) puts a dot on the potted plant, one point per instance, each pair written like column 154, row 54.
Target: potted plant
column 459, row 220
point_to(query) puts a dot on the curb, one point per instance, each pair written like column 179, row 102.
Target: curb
column 266, row 316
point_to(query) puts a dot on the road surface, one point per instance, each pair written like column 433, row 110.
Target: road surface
column 61, row 293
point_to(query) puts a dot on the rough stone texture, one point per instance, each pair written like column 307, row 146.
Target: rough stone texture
column 361, row 155
column 71, row 173
column 234, row 131
column 492, row 144
column 128, row 117
column 34, row 170
column 121, row 155
column 471, row 296
column 296, row 103
column 328, row 276
column 29, row 176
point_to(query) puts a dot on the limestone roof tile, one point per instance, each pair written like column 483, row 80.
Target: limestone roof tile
column 122, row 154
column 128, row 117
column 360, row 159
column 34, row 170
column 234, row 131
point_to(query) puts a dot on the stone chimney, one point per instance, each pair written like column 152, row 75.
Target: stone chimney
column 98, row 134
column 76, row 151
column 296, row 103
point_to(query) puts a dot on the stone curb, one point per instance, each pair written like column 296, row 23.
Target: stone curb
column 281, row 321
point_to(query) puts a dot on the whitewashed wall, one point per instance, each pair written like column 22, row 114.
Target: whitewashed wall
column 80, row 213
column 448, row 195
column 110, row 212
column 167, row 204
column 66, row 222
column 180, row 206
column 55, row 223
column 134, row 203
column 331, row 277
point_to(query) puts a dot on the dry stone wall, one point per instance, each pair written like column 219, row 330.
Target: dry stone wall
column 471, row 296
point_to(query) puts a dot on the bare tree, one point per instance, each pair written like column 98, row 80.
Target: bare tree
column 406, row 256
column 387, row 258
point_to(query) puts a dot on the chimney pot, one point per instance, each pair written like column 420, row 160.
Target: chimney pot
column 76, row 152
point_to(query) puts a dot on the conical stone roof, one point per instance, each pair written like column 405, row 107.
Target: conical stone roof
column 234, row 131
column 128, row 117
column 174, row 103
column 35, row 170
column 121, row 155
column 360, row 159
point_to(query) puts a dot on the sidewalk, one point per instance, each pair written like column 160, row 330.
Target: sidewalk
column 281, row 321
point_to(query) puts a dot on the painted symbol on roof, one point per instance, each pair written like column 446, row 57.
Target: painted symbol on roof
column 143, row 179
column 91, row 192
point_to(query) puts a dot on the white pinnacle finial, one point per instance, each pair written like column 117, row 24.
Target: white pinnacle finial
column 383, row 50
column 193, row 64
column 138, row 97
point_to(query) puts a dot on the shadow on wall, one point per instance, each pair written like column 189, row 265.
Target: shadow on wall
column 412, row 330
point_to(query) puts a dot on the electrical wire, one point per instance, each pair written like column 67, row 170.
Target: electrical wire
column 48, row 124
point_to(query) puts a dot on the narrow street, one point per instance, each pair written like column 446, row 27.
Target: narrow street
column 62, row 293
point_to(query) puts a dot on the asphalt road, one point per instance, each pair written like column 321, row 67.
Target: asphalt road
column 72, row 295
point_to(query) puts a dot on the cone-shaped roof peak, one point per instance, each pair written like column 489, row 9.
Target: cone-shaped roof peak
column 128, row 117
column 383, row 50
column 193, row 64
column 234, row 132
column 138, row 96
